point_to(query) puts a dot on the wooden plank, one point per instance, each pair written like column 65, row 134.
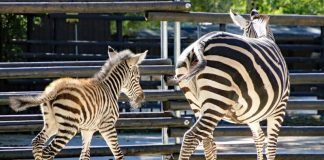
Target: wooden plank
column 245, row 131
column 224, row 18
column 92, row 7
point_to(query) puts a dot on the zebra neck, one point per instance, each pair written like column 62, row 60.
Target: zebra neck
column 113, row 82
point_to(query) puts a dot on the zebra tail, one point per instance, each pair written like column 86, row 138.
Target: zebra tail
column 201, row 64
column 22, row 103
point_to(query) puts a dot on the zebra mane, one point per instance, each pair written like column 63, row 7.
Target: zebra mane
column 111, row 63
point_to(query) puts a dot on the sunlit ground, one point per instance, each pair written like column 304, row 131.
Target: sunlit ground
column 225, row 144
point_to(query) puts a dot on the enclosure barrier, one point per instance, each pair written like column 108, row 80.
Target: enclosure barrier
column 92, row 7
column 299, row 78
column 224, row 18
column 251, row 156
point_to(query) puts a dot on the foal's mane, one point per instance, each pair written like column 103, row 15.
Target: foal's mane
column 111, row 63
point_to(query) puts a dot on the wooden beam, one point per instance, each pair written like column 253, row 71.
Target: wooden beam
column 224, row 18
column 93, row 7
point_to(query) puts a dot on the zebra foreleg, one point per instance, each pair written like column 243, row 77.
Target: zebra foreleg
column 258, row 137
column 273, row 127
column 63, row 136
column 86, row 140
column 109, row 133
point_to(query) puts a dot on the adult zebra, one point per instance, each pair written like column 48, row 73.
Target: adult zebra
column 89, row 105
column 240, row 79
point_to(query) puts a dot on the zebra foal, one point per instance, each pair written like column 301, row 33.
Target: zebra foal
column 239, row 79
column 88, row 105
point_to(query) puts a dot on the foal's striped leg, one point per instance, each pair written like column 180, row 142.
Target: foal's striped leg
column 48, row 131
column 63, row 136
column 86, row 140
column 109, row 133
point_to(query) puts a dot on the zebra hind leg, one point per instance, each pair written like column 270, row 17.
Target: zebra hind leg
column 273, row 127
column 86, row 140
column 258, row 137
column 48, row 131
column 210, row 149
column 65, row 133
column 201, row 131
column 109, row 133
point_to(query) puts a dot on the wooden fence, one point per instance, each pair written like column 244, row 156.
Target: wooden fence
column 174, row 99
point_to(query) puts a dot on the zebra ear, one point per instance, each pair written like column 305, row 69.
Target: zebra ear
column 238, row 20
column 137, row 59
column 111, row 52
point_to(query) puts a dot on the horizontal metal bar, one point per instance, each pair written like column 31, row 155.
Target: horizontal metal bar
column 87, row 71
column 68, row 152
column 295, row 78
column 20, row 117
column 303, row 60
column 92, row 7
column 252, row 156
column 122, row 123
column 168, row 95
column 142, row 44
column 97, row 16
column 293, row 104
column 245, row 131
column 78, row 63
column 224, row 18
column 150, row 95
column 73, row 71
column 307, row 78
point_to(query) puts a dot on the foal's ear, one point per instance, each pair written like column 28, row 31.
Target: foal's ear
column 238, row 20
column 111, row 52
column 137, row 58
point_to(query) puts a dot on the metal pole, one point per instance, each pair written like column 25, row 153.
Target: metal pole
column 198, row 30
column 76, row 37
column 177, row 51
column 164, row 54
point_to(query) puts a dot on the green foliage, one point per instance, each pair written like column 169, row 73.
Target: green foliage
column 264, row 6
column 11, row 27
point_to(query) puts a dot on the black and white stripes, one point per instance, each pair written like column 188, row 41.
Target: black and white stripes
column 88, row 105
column 240, row 79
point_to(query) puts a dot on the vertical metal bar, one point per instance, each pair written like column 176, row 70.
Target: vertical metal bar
column 177, row 51
column 76, row 38
column 321, row 87
column 198, row 30
column 164, row 54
